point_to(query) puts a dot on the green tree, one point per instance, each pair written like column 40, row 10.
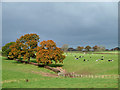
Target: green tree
column 6, row 49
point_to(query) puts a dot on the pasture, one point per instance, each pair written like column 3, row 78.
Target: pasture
column 92, row 66
column 14, row 74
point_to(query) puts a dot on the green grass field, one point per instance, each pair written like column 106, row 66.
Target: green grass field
column 91, row 66
column 14, row 74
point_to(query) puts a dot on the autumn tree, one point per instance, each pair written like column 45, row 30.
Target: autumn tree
column 47, row 52
column 116, row 49
column 15, row 51
column 80, row 48
column 6, row 49
column 25, row 46
column 88, row 48
column 96, row 48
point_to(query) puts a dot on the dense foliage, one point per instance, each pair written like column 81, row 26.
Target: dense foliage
column 24, row 46
column 6, row 49
column 80, row 48
column 88, row 48
column 47, row 52
column 95, row 48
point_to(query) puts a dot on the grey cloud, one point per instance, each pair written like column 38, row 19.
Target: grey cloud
column 72, row 23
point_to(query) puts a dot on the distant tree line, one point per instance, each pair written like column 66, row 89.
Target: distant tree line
column 87, row 48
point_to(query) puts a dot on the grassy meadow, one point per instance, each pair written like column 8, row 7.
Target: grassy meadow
column 14, row 74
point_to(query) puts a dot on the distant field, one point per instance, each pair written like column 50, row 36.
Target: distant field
column 107, row 52
column 95, row 52
column 14, row 74
column 91, row 66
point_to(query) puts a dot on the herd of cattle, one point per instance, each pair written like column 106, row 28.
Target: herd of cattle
column 101, row 59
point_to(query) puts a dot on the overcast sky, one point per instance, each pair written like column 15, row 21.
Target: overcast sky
column 75, row 24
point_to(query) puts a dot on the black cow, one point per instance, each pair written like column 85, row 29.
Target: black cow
column 110, row 60
column 76, row 58
column 84, row 60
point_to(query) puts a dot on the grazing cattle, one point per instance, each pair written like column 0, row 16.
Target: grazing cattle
column 101, row 59
column 102, row 56
column 84, row 60
column 96, row 60
column 76, row 58
column 110, row 60
column 81, row 56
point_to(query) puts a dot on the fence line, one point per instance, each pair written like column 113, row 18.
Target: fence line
column 88, row 76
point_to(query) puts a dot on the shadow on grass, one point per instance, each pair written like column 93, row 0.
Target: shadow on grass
column 16, row 62
column 6, row 58
column 52, row 65
column 33, row 61
column 55, row 65
column 41, row 66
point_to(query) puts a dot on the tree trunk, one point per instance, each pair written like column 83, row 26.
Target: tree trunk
column 47, row 63
column 28, row 59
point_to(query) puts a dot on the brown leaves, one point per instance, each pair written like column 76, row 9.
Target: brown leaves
column 95, row 47
column 48, row 44
column 25, row 46
column 88, row 48
column 80, row 48
column 48, row 52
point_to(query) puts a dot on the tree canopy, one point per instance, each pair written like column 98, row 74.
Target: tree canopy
column 88, row 48
column 95, row 48
column 6, row 49
column 24, row 46
column 80, row 48
column 47, row 52
column 99, row 48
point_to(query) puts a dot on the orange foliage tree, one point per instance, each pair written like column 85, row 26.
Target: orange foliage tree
column 96, row 48
column 88, row 48
column 24, row 46
column 80, row 48
column 47, row 52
